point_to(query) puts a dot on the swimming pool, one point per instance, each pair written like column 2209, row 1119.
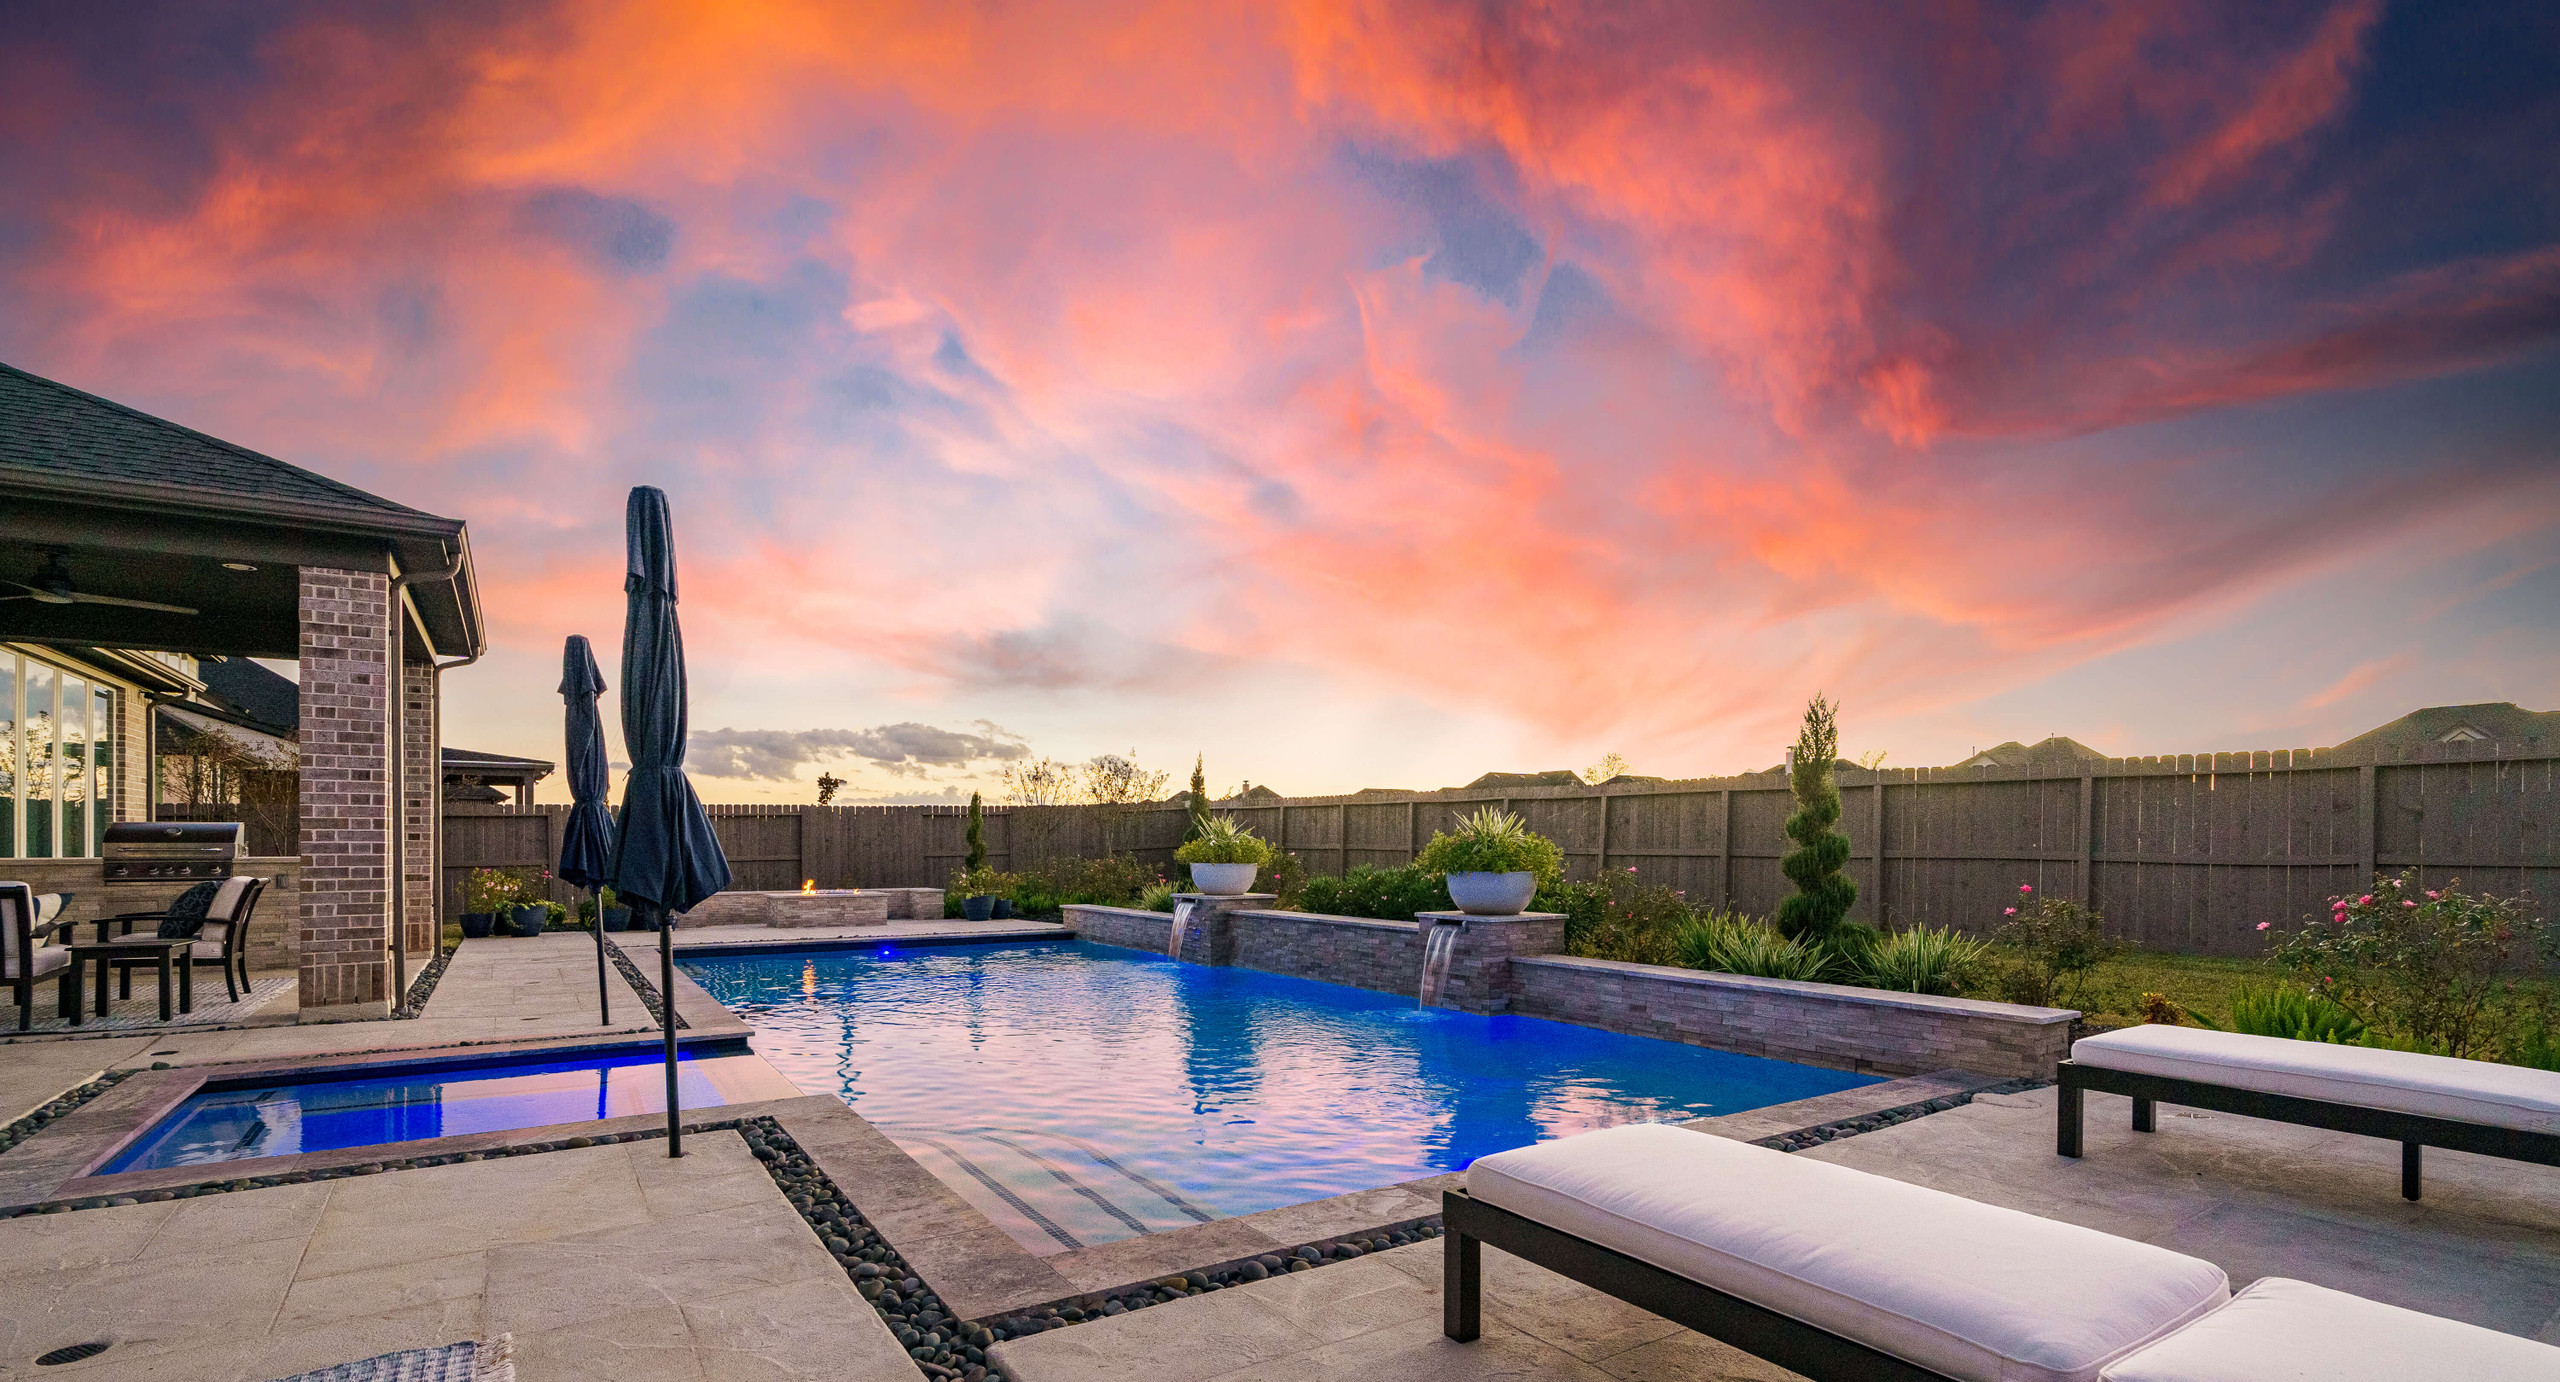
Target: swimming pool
column 1080, row 1093
column 358, row 1110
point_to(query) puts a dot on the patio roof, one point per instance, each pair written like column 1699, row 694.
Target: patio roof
column 143, row 508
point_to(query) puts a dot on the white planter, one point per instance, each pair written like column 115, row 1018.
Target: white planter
column 1224, row 880
column 1492, row 894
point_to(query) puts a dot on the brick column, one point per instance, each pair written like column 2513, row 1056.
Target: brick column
column 348, row 646
column 1480, row 964
column 1210, row 937
column 422, row 781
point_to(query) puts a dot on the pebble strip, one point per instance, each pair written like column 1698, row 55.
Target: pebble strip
column 424, row 985
column 946, row 1348
column 61, row 1104
column 640, row 983
column 1886, row 1118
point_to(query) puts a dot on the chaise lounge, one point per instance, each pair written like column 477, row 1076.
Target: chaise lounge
column 1839, row 1275
column 2417, row 1100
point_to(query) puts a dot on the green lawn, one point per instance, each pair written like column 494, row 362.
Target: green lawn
column 2112, row 993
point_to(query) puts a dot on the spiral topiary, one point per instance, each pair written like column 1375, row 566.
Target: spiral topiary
column 1823, row 893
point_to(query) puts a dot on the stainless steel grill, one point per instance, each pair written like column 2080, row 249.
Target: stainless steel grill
column 169, row 851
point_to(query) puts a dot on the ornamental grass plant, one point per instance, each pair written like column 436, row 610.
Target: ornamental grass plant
column 1221, row 840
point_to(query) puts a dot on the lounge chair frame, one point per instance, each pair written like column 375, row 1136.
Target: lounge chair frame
column 30, row 934
column 1813, row 1352
column 2412, row 1131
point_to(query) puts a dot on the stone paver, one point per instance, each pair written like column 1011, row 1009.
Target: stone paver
column 597, row 1260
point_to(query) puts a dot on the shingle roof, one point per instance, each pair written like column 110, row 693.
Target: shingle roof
column 254, row 691
column 60, row 433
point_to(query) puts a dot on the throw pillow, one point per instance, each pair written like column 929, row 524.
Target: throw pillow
column 186, row 915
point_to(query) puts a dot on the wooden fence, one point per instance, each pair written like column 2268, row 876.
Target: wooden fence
column 2184, row 853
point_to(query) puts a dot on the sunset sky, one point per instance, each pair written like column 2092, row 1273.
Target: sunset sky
column 1367, row 394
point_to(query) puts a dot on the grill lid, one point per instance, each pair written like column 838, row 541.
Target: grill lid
column 171, row 839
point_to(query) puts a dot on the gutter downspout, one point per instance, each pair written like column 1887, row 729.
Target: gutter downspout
column 400, row 786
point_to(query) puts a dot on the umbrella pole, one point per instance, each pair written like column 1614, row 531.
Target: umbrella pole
column 604, row 995
column 667, row 1012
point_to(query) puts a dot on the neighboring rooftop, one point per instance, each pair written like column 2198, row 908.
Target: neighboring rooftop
column 2016, row 755
column 2499, row 722
column 245, row 687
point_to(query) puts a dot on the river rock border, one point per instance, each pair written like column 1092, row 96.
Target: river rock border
column 424, row 985
column 35, row 1119
column 641, row 985
column 1885, row 1118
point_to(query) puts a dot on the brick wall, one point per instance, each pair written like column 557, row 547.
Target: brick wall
column 346, row 825
column 1124, row 926
column 1817, row 1024
column 422, row 786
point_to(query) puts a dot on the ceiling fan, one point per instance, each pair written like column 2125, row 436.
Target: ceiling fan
column 52, row 586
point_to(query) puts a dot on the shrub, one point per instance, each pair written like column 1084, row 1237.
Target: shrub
column 977, row 836
column 1370, row 891
column 491, row 890
column 1823, row 893
column 1616, row 917
column 1196, row 801
column 1922, row 960
column 1493, row 840
column 2435, row 967
column 2284, row 1010
column 1158, row 898
column 1285, row 878
column 2053, row 944
column 1222, row 841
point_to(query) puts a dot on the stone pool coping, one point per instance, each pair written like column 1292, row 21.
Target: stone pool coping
column 58, row 1161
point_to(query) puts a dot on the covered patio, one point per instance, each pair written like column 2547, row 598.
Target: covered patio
column 132, row 546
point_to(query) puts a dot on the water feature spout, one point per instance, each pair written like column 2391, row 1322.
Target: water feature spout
column 1181, row 919
column 1437, row 947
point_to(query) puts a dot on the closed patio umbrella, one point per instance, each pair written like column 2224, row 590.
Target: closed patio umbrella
column 586, row 843
column 665, row 858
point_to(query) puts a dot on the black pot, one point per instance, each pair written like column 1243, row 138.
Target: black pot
column 640, row 922
column 617, row 918
column 475, row 925
column 1004, row 909
column 980, row 908
column 529, row 917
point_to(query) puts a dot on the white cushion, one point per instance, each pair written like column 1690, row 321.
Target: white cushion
column 48, row 906
column 48, row 959
column 1968, row 1289
column 2469, row 1091
column 226, row 899
column 205, row 950
column 2292, row 1331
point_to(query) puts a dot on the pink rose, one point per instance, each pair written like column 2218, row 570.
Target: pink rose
column 2365, row 901
column 2408, row 904
column 2264, row 925
column 2008, row 911
column 2432, row 896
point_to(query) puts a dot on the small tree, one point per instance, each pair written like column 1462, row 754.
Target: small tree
column 1823, row 893
column 1199, row 803
column 1611, row 764
column 828, row 785
column 977, row 835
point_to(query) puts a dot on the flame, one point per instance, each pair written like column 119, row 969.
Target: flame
column 808, row 886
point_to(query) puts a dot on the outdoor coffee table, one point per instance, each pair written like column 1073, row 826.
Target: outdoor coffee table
column 169, row 953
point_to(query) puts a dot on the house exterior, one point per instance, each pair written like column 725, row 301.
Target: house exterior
column 134, row 554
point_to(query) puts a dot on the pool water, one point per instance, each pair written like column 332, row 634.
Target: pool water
column 1080, row 1093
column 325, row 1115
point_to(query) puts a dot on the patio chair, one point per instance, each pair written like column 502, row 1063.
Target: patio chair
column 28, row 920
column 221, row 937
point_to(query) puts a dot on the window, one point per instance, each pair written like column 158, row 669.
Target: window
column 57, row 760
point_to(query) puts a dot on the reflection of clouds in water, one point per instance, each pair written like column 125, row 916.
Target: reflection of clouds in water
column 1052, row 1085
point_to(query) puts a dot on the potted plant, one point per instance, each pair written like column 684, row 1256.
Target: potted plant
column 1224, row 857
column 616, row 916
column 1493, row 862
column 484, row 895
